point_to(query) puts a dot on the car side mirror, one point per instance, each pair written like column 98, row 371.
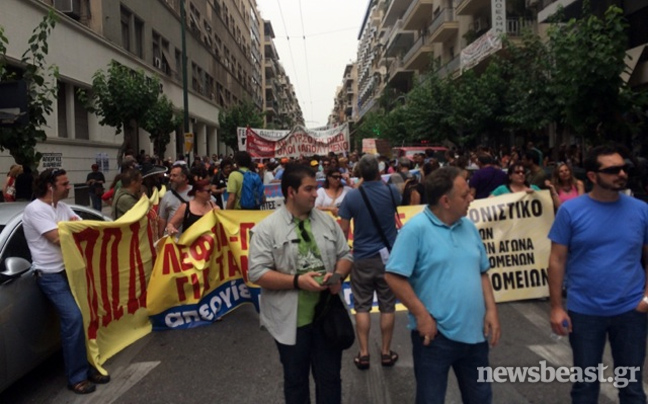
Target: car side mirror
column 15, row 266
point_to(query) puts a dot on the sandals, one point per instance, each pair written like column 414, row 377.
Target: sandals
column 83, row 387
column 361, row 362
column 389, row 359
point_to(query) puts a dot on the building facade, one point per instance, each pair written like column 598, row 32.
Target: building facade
column 400, row 39
column 224, row 43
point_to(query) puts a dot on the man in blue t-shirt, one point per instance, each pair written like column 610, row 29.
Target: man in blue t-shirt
column 438, row 271
column 598, row 240
column 372, row 241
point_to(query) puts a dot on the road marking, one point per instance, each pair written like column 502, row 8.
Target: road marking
column 121, row 381
column 559, row 352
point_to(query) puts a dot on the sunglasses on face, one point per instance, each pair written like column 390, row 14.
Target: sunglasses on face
column 519, row 172
column 303, row 231
column 614, row 169
column 337, row 177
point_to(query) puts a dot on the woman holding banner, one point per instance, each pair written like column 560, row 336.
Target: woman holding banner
column 516, row 182
column 332, row 193
column 190, row 212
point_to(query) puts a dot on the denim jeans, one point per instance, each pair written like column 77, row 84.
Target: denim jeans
column 57, row 290
column 311, row 351
column 627, row 334
column 433, row 362
column 96, row 201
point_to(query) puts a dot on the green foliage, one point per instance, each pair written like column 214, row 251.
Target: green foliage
column 121, row 97
column 589, row 54
column 41, row 82
column 160, row 121
column 573, row 80
column 242, row 115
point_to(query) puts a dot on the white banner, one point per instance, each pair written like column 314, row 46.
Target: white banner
column 262, row 143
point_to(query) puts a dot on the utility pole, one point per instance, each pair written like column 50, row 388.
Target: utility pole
column 185, row 96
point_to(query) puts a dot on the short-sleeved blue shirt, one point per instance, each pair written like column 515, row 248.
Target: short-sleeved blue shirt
column 444, row 265
column 366, row 239
column 605, row 239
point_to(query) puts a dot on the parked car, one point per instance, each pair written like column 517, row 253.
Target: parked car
column 29, row 327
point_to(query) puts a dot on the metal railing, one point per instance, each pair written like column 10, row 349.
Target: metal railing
column 445, row 15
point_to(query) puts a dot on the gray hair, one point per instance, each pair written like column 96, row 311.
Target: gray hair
column 368, row 166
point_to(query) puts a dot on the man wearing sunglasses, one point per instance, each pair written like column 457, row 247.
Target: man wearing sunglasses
column 296, row 253
column 598, row 240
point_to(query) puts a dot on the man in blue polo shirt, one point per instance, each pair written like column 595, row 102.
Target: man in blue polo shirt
column 438, row 270
column 597, row 240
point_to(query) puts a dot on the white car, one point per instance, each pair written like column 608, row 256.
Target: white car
column 29, row 327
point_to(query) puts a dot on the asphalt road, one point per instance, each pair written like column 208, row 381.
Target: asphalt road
column 232, row 361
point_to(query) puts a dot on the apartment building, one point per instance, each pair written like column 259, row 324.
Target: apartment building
column 225, row 65
column 402, row 38
column 282, row 110
column 346, row 96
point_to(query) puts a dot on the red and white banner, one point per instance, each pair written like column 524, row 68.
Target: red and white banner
column 262, row 143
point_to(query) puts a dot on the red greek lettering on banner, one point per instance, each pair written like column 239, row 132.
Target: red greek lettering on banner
column 136, row 272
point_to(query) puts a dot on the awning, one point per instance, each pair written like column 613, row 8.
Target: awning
column 631, row 60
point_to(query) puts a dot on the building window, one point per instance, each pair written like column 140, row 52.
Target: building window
column 61, row 112
column 81, row 126
column 139, row 38
column 125, row 28
column 178, row 64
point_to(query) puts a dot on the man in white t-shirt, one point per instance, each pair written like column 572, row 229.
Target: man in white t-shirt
column 40, row 224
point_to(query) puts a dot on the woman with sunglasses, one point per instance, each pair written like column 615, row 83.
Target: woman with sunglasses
column 563, row 185
column 190, row 212
column 516, row 182
column 331, row 195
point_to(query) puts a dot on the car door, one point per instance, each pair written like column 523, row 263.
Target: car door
column 29, row 329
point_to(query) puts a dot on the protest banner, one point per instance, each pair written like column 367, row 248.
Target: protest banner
column 263, row 143
column 514, row 229
column 203, row 275
column 108, row 265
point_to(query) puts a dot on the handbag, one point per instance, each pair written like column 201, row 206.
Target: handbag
column 332, row 318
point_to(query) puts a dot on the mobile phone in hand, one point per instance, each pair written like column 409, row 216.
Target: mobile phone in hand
column 333, row 280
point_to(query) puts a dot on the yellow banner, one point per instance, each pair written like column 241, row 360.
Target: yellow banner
column 514, row 229
column 108, row 266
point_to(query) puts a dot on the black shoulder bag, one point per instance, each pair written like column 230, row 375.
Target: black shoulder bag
column 332, row 318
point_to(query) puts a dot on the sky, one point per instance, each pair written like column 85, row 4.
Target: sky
column 315, row 40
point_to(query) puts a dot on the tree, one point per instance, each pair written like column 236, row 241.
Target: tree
column 160, row 121
column 589, row 57
column 122, row 97
column 41, row 81
column 243, row 114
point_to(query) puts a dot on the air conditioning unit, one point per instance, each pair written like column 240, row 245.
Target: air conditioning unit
column 71, row 8
column 157, row 62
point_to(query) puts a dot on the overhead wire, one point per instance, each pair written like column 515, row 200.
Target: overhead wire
column 292, row 59
column 310, row 98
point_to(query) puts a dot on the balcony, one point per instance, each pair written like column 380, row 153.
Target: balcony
column 418, row 57
column 394, row 12
column 418, row 14
column 470, row 7
column 570, row 9
column 449, row 68
column 398, row 41
column 399, row 77
column 444, row 26
column 270, row 69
